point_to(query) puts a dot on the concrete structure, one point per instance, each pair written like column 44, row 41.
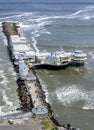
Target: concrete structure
column 16, row 39
column 30, row 90
column 40, row 110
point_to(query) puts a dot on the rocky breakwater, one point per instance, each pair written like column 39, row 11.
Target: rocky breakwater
column 26, row 80
column 42, row 98
column 30, row 90
column 10, row 28
column 24, row 96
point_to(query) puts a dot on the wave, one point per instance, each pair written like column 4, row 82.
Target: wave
column 6, row 87
column 17, row 15
column 4, row 80
column 84, row 14
column 72, row 94
column 69, row 26
column 39, row 24
column 6, row 99
column 8, row 107
column 44, row 86
column 91, row 54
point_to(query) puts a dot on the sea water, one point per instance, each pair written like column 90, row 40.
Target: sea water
column 47, row 25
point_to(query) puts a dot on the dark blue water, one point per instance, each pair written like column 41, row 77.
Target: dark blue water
column 47, row 24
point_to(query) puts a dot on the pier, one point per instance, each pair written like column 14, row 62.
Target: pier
column 31, row 94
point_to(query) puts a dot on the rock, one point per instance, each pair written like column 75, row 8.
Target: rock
column 75, row 129
column 10, row 122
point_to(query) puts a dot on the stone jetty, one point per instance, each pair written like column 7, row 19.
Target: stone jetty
column 30, row 92
column 10, row 28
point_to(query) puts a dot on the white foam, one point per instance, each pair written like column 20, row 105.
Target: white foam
column 35, row 44
column 1, row 72
column 85, row 14
column 88, row 107
column 89, row 104
column 1, row 112
column 45, row 89
column 11, row 71
column 35, row 34
column 40, row 19
column 4, row 81
column 46, row 92
column 6, row 99
column 37, row 29
column 47, row 95
column 5, row 42
column 37, row 25
column 92, row 55
column 44, row 31
column 25, row 26
column 72, row 94
column 19, row 15
column 7, row 107
column 5, row 111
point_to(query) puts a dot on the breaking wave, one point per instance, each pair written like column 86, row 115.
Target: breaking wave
column 4, row 81
column 44, row 87
column 84, row 14
column 8, row 106
column 37, row 23
column 72, row 94
column 92, row 55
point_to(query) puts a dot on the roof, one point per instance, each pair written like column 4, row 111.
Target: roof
column 30, row 53
column 30, row 76
column 79, row 53
column 21, row 47
column 40, row 110
column 17, row 39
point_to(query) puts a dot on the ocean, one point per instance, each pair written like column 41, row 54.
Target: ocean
column 47, row 25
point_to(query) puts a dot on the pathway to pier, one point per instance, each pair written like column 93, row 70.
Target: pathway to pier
column 21, row 125
column 29, row 88
column 33, row 92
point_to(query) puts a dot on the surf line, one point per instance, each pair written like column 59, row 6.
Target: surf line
column 30, row 91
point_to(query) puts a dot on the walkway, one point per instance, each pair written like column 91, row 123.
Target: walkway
column 21, row 125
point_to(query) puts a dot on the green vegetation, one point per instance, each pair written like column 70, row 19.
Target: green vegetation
column 48, row 125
